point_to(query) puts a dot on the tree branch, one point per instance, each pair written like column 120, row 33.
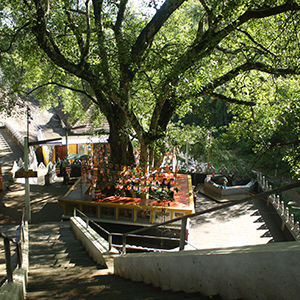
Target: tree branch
column 169, row 108
column 147, row 35
column 248, row 66
column 75, row 29
column 120, row 17
column 122, row 46
column 85, row 50
column 210, row 40
column 272, row 70
column 47, row 43
column 83, row 46
column 255, row 42
column 97, row 4
column 14, row 37
column 83, row 92
column 208, row 12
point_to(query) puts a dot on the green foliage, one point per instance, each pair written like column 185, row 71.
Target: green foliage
column 139, row 63
column 271, row 129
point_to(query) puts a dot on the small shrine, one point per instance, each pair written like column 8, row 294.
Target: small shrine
column 216, row 186
column 108, row 192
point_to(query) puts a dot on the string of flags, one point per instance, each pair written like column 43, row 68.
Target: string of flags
column 99, row 172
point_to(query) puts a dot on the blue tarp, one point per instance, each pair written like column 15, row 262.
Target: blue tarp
column 77, row 156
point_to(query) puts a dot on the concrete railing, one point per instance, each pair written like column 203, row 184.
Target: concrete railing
column 287, row 219
column 94, row 244
column 268, row 271
column 15, row 134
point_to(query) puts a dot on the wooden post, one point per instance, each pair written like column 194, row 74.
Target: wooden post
column 1, row 179
column 187, row 153
column 124, row 244
column 27, row 187
column 182, row 234
column 8, row 260
column 19, row 253
column 109, row 241
column 67, row 145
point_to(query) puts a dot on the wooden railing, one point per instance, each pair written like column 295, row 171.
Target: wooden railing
column 19, row 245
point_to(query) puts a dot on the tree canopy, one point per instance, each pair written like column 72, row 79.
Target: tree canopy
column 139, row 64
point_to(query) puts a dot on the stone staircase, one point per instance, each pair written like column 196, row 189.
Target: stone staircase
column 60, row 268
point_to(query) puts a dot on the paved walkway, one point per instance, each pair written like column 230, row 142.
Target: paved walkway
column 44, row 207
column 239, row 225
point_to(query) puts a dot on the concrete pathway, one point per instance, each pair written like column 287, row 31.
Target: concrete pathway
column 240, row 225
column 44, row 204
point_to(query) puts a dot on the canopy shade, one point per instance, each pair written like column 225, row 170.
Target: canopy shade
column 77, row 156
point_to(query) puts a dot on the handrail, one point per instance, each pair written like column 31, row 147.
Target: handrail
column 97, row 225
column 111, row 234
column 183, row 219
column 7, row 240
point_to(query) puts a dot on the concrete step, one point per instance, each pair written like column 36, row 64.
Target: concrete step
column 58, row 249
column 81, row 283
column 53, row 262
column 58, row 246
column 55, row 245
column 59, row 270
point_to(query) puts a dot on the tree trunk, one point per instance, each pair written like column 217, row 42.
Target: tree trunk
column 119, row 140
column 144, row 154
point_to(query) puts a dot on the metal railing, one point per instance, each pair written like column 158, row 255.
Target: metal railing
column 88, row 220
column 19, row 246
column 182, row 240
column 124, row 235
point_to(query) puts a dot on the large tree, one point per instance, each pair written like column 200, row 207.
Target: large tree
column 139, row 64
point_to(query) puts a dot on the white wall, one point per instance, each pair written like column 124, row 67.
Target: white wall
column 269, row 271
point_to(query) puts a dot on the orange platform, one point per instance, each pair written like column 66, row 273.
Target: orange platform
column 129, row 209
